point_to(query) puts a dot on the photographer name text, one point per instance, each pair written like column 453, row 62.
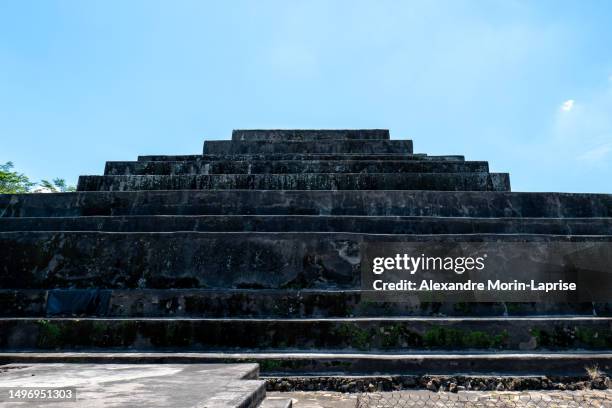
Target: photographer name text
column 426, row 285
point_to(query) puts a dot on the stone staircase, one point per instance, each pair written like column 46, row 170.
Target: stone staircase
column 250, row 252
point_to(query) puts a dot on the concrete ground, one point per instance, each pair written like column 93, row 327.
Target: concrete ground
column 139, row 385
column 235, row 385
column 405, row 399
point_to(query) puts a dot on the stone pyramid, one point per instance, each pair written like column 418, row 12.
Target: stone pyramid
column 251, row 252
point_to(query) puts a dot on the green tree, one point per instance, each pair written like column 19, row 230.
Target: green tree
column 57, row 185
column 12, row 182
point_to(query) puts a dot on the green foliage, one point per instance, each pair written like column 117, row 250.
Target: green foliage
column 12, row 182
column 399, row 336
column 49, row 334
column 594, row 338
column 57, row 185
column 564, row 337
column 441, row 337
column 270, row 365
column 353, row 334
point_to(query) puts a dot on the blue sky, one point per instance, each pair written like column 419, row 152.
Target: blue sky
column 525, row 85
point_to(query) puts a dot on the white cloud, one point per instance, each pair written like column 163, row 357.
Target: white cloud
column 568, row 105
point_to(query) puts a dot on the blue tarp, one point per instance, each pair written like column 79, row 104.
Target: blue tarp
column 78, row 302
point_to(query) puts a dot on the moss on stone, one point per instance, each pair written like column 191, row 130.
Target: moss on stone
column 513, row 307
column 399, row 336
column 270, row 365
column 354, row 335
column 49, row 334
column 559, row 337
column 594, row 338
column 442, row 337
column 562, row 337
column 170, row 334
column 462, row 307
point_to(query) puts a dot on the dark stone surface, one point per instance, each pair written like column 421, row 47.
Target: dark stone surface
column 313, row 223
column 278, row 202
column 283, row 363
column 263, row 236
column 293, row 166
column 16, row 303
column 408, row 334
column 263, row 303
column 170, row 157
column 279, row 135
column 175, row 260
column 322, row 146
column 248, row 260
column 307, row 389
column 302, row 156
column 89, row 302
column 309, row 181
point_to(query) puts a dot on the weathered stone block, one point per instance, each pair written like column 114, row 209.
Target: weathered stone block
column 313, row 223
column 408, row 334
column 279, row 135
column 256, row 260
column 323, row 146
column 313, row 202
column 308, row 181
column 291, row 167
column 301, row 156
column 263, row 235
column 263, row 303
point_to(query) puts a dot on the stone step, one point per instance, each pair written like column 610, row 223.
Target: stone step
column 322, row 146
column 311, row 181
column 571, row 363
column 290, row 167
column 280, row 135
column 278, row 202
column 300, row 156
column 262, row 303
column 405, row 334
column 313, row 223
column 276, row 402
column 241, row 260
column 342, row 364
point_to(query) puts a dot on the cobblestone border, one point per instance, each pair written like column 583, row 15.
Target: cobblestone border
column 436, row 383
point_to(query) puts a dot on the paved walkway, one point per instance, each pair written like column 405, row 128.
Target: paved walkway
column 405, row 399
column 138, row 385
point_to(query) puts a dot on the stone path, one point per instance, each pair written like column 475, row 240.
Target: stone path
column 405, row 399
column 139, row 385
